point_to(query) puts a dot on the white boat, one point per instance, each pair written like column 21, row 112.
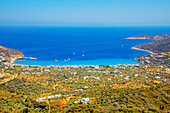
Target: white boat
column 83, row 54
column 56, row 60
column 73, row 53
column 69, row 59
column 65, row 60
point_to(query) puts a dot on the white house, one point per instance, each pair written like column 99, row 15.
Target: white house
column 167, row 69
column 157, row 77
column 86, row 77
column 135, row 75
column 84, row 100
column 73, row 73
column 120, row 75
column 108, row 79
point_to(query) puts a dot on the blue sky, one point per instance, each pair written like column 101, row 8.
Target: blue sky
column 85, row 12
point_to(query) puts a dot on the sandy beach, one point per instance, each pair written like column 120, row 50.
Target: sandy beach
column 136, row 38
column 143, row 50
column 31, row 58
column 12, row 61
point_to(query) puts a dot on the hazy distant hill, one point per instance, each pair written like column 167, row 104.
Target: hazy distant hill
column 8, row 51
column 155, row 37
column 160, row 45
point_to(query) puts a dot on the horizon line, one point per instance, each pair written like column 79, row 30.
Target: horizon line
column 85, row 25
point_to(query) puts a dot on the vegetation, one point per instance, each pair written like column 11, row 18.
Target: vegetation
column 119, row 88
column 161, row 45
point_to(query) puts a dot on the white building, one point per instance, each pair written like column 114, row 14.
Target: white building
column 135, row 75
column 73, row 73
column 84, row 100
column 157, row 77
column 86, row 77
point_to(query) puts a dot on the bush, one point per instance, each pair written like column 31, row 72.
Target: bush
column 129, row 106
column 153, row 109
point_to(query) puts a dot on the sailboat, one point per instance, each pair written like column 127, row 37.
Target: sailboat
column 73, row 53
column 83, row 54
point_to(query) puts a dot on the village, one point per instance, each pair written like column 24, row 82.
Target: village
column 60, row 87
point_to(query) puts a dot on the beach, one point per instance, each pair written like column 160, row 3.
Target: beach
column 143, row 50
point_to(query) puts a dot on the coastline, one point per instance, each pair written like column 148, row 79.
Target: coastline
column 143, row 50
column 12, row 61
column 136, row 38
column 31, row 58
column 74, row 66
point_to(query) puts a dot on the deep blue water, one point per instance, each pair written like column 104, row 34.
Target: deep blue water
column 101, row 45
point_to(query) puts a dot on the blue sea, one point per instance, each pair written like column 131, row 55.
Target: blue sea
column 67, row 45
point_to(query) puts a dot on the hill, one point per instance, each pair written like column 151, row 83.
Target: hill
column 158, row 46
column 154, row 37
column 9, row 52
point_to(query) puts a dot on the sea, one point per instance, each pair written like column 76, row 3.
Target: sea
column 76, row 45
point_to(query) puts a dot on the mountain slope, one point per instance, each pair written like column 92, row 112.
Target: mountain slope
column 158, row 46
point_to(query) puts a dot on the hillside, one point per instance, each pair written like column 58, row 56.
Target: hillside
column 161, row 45
column 154, row 37
column 8, row 51
column 121, row 88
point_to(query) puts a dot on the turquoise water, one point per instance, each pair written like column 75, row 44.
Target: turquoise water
column 99, row 45
column 83, row 62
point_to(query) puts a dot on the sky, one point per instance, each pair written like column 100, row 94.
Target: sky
column 85, row 12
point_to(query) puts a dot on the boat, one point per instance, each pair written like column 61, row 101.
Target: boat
column 122, row 45
column 69, row 59
column 56, row 60
column 83, row 54
column 65, row 60
column 73, row 53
